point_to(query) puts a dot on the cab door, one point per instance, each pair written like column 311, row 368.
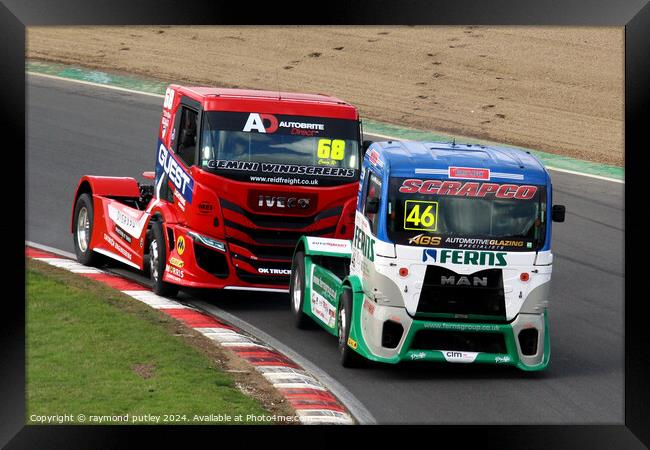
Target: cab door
column 177, row 185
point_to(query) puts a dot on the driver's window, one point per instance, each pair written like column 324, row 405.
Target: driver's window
column 373, row 191
column 186, row 141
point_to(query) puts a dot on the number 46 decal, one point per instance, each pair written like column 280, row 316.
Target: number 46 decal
column 420, row 215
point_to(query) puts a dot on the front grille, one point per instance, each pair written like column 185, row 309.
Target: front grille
column 212, row 261
column 461, row 341
column 446, row 292
column 287, row 238
column 281, row 221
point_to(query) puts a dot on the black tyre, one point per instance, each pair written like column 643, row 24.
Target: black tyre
column 349, row 358
column 83, row 230
column 157, row 261
column 297, row 292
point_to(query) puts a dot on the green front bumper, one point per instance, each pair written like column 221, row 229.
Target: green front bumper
column 405, row 352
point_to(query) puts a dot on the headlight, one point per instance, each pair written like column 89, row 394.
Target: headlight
column 208, row 241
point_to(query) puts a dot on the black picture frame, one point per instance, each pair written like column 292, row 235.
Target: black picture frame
column 634, row 15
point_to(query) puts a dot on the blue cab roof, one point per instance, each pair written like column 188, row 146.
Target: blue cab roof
column 433, row 159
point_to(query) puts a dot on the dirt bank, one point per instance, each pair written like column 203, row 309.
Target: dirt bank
column 554, row 89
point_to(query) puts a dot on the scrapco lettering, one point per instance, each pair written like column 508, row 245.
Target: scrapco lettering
column 468, row 189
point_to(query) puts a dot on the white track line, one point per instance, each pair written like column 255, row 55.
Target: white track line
column 383, row 136
column 90, row 83
column 56, row 251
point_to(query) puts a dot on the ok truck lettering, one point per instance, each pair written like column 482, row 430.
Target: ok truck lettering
column 364, row 243
column 468, row 189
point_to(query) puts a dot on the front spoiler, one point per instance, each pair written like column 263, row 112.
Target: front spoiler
column 366, row 340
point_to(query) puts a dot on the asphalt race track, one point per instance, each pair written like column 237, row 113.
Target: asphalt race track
column 74, row 129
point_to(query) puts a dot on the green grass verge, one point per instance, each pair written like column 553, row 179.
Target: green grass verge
column 90, row 352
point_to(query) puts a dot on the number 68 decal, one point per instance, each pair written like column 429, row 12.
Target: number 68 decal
column 331, row 148
column 420, row 215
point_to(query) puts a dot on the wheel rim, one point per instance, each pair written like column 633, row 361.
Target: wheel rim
column 153, row 259
column 297, row 288
column 83, row 229
column 341, row 327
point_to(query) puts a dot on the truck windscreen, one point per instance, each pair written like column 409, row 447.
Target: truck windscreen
column 466, row 214
column 282, row 149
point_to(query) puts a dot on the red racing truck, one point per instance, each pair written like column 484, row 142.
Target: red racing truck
column 240, row 176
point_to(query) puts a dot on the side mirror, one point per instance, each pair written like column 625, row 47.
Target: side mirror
column 557, row 213
column 372, row 205
column 365, row 146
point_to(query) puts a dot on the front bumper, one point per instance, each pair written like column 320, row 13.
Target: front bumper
column 207, row 264
column 368, row 331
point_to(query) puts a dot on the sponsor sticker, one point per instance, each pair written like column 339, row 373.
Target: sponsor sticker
column 375, row 159
column 419, row 355
column 269, row 123
column 329, row 245
column 174, row 271
column 121, row 250
column 466, row 257
column 423, row 239
column 180, row 179
column 467, row 189
column 364, row 243
column 267, row 271
column 180, row 245
column 176, row 262
column 322, row 309
column 469, row 173
column 469, row 243
column 459, row 357
column 123, row 234
column 126, row 220
column 280, row 169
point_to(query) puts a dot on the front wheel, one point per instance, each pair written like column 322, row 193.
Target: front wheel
column 297, row 291
column 349, row 358
column 157, row 261
column 83, row 231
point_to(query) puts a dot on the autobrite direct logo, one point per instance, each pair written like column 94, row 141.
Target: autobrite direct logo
column 268, row 123
column 466, row 257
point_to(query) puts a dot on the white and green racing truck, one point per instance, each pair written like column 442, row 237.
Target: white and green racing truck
column 450, row 261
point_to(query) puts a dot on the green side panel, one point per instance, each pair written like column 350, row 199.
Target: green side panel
column 322, row 290
column 355, row 324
